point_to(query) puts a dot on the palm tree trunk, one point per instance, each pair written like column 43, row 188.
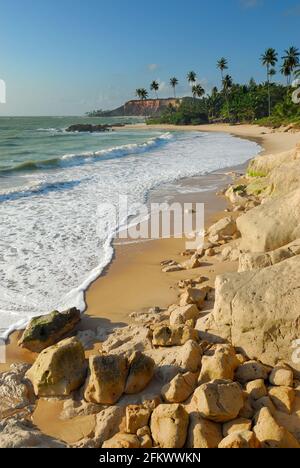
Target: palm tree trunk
column 269, row 93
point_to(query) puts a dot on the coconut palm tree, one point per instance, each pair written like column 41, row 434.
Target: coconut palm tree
column 142, row 93
column 222, row 65
column 155, row 87
column 292, row 58
column 286, row 71
column 227, row 85
column 269, row 59
column 198, row 91
column 192, row 78
column 174, row 82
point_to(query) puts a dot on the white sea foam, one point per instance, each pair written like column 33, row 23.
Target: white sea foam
column 50, row 249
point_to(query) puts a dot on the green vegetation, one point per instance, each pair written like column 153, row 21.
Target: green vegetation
column 256, row 174
column 267, row 103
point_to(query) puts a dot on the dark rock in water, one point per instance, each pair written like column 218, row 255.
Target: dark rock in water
column 89, row 128
column 48, row 330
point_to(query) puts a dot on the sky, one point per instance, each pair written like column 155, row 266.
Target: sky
column 66, row 57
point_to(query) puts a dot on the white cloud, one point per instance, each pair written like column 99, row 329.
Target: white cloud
column 152, row 67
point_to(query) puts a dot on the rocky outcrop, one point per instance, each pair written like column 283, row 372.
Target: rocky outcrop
column 263, row 165
column 47, row 330
column 88, row 128
column 106, row 379
column 258, row 311
column 219, row 400
column 58, row 370
column 271, row 225
column 257, row 261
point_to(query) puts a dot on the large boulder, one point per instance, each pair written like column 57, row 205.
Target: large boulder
column 219, row 362
column 106, row 379
column 203, row 434
column 271, row 434
column 258, row 311
column 219, row 400
column 226, row 227
column 16, row 433
column 47, row 330
column 180, row 388
column 272, row 224
column 169, row 425
column 140, row 373
column 180, row 315
column 59, row 369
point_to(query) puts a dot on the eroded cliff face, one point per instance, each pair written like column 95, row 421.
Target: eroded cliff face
column 146, row 108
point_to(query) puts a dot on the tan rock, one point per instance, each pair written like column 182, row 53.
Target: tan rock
column 173, row 336
column 219, row 362
column 270, row 225
column 181, row 315
column 137, row 417
column 169, row 425
column 59, row 369
column 256, row 389
column 283, row 398
column 144, row 436
column 252, row 370
column 240, row 440
column 194, row 296
column 190, row 356
column 264, row 328
column 180, row 388
column 282, row 376
column 141, row 372
column 16, row 393
column 247, row 411
column 219, row 401
column 106, row 380
column 108, row 423
column 224, row 227
column 122, row 441
column 237, row 425
column 270, row 434
column 203, row 434
column 256, row 261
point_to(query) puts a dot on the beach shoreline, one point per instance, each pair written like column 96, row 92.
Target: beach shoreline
column 160, row 289
column 134, row 281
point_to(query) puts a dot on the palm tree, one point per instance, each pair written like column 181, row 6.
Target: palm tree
column 174, row 82
column 286, row 71
column 155, row 87
column 192, row 78
column 222, row 65
column 269, row 59
column 142, row 93
column 198, row 91
column 227, row 85
column 291, row 58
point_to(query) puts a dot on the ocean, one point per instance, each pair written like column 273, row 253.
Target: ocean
column 55, row 237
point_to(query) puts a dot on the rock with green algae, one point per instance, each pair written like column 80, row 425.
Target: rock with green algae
column 59, row 370
column 46, row 330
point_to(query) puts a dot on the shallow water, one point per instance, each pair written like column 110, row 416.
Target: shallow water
column 55, row 229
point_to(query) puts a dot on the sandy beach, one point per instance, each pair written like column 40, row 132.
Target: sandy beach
column 134, row 280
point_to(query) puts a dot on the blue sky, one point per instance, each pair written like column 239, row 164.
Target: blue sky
column 64, row 57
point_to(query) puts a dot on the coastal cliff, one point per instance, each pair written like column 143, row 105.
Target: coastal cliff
column 139, row 108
